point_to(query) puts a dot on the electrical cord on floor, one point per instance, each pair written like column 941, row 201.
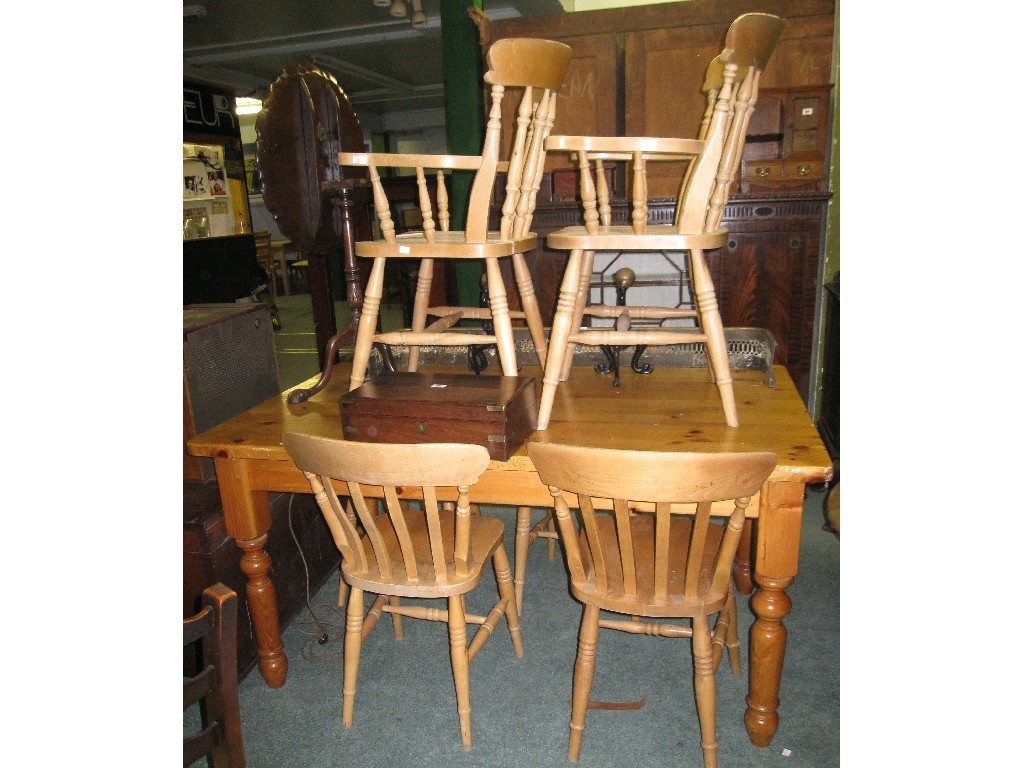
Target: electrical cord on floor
column 324, row 631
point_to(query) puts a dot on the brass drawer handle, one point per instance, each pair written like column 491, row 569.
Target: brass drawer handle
column 803, row 170
column 421, row 427
column 763, row 170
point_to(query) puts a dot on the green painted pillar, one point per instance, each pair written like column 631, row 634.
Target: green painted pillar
column 464, row 118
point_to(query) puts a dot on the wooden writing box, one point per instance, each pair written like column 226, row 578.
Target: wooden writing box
column 497, row 412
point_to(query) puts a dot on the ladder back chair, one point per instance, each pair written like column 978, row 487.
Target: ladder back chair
column 537, row 67
column 710, row 163
column 215, row 687
column 267, row 259
column 648, row 547
column 434, row 552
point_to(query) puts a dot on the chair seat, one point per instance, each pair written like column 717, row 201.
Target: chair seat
column 645, row 603
column 658, row 237
column 447, row 245
column 486, row 534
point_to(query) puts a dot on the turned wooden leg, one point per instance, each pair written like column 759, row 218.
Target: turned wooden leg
column 522, row 548
column 501, row 319
column 711, row 325
column 583, row 678
column 503, row 573
column 420, row 305
column 262, row 599
column 732, row 637
column 581, row 303
column 561, row 327
column 778, row 547
column 460, row 666
column 353, row 644
column 741, row 564
column 704, row 688
column 247, row 519
column 367, row 323
column 528, row 299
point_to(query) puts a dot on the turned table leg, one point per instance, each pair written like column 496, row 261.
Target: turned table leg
column 247, row 518
column 778, row 547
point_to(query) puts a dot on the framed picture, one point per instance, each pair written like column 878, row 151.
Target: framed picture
column 195, row 185
column 216, row 183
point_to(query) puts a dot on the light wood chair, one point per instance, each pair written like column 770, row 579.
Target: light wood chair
column 710, row 163
column 429, row 553
column 537, row 67
column 215, row 687
column 658, row 553
column 267, row 259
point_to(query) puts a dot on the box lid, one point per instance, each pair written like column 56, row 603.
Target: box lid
column 448, row 395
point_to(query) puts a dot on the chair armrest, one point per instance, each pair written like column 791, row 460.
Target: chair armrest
column 394, row 160
column 625, row 147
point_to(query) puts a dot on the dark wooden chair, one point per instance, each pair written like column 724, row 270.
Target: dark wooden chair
column 651, row 546
column 709, row 164
column 215, row 687
column 433, row 552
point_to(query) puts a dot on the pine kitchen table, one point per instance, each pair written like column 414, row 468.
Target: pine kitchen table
column 674, row 409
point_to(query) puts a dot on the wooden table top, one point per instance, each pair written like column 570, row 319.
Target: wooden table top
column 672, row 409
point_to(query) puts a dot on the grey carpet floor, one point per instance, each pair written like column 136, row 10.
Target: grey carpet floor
column 405, row 713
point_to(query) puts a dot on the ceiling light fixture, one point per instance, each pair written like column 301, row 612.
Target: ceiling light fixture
column 399, row 9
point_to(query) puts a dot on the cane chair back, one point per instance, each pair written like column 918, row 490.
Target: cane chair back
column 434, row 552
column 650, row 546
column 215, row 687
column 710, row 161
column 536, row 67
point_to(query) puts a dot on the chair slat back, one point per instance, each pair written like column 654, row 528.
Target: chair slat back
column 215, row 627
column 538, row 67
column 676, row 484
column 375, row 475
column 731, row 87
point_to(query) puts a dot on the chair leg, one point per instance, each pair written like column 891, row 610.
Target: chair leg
column 367, row 323
column 460, row 666
column 561, row 327
column 704, row 688
column 582, row 301
column 711, row 325
column 583, row 678
column 732, row 637
column 396, row 618
column 503, row 573
column 420, row 304
column 528, row 298
column 353, row 643
column 501, row 319
column 522, row 548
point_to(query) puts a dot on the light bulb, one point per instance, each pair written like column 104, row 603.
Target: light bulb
column 419, row 18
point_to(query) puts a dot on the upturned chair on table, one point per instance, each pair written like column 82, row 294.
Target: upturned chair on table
column 657, row 553
column 215, row 686
column 710, row 163
column 428, row 553
column 537, row 67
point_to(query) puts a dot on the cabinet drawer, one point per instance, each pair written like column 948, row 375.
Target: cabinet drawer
column 792, row 175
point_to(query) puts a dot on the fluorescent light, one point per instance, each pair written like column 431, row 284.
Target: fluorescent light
column 247, row 106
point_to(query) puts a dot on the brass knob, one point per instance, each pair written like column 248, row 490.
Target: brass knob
column 763, row 170
column 421, row 427
column 803, row 170
column 624, row 278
